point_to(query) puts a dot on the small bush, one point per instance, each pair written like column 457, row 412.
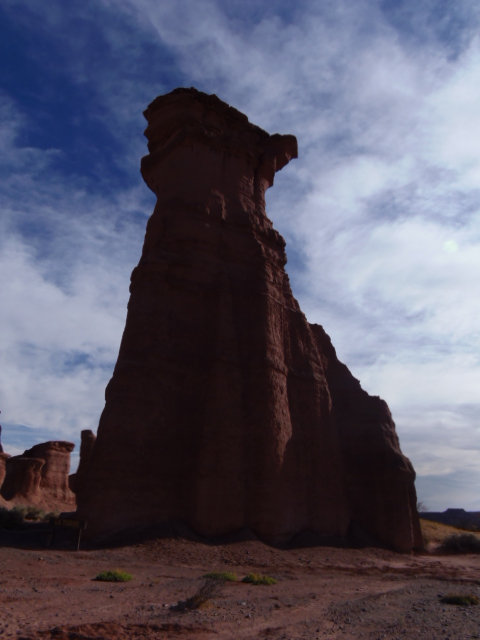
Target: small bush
column 255, row 578
column 113, row 576
column 226, row 576
column 461, row 543
column 463, row 600
column 33, row 513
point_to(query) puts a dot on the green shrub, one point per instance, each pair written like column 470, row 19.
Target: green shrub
column 461, row 543
column 256, row 578
column 12, row 517
column 18, row 513
column 33, row 513
column 113, row 576
column 226, row 576
column 463, row 600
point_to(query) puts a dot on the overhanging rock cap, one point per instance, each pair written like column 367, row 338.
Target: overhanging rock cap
column 187, row 115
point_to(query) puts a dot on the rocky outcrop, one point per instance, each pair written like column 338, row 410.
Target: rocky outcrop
column 44, row 485
column 77, row 479
column 226, row 409
column 22, row 481
column 3, row 466
column 379, row 479
column 3, row 470
column 455, row 518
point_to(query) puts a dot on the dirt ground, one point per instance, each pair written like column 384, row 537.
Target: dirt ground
column 322, row 592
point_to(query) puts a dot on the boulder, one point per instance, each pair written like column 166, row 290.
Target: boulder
column 75, row 480
column 226, row 408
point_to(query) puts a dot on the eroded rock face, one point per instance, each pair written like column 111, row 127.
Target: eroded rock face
column 379, row 478
column 3, row 470
column 76, row 480
column 227, row 409
column 44, row 485
column 22, row 481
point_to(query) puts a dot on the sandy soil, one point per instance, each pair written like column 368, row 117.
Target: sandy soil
column 321, row 593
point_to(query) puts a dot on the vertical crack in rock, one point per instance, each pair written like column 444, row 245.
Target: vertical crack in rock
column 226, row 409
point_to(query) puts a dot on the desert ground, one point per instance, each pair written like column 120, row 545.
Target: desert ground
column 322, row 592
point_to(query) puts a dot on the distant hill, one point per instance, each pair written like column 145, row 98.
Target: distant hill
column 455, row 518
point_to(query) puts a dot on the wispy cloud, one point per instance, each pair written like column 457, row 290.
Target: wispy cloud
column 65, row 258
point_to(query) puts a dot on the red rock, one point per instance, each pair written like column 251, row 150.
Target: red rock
column 227, row 409
column 3, row 470
column 379, row 478
column 75, row 480
column 51, row 492
column 22, row 481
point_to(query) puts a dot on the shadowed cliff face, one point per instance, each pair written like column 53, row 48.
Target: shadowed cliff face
column 225, row 409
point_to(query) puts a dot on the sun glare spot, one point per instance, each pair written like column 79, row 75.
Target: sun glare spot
column 450, row 246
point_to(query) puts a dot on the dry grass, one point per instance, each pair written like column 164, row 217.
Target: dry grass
column 435, row 533
column 210, row 588
column 226, row 576
column 256, row 578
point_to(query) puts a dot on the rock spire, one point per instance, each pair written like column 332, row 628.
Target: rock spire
column 226, row 408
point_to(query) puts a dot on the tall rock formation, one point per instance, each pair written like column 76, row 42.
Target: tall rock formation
column 226, row 408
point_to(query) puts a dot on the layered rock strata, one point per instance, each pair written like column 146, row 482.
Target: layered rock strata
column 226, row 409
column 40, row 477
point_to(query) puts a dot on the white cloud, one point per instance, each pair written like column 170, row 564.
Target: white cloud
column 64, row 289
column 452, row 121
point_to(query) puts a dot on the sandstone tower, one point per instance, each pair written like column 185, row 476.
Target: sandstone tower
column 226, row 408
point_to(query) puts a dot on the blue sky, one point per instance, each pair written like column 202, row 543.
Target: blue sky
column 381, row 211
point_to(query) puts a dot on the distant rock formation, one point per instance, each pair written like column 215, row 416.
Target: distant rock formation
column 22, row 481
column 40, row 477
column 226, row 409
column 76, row 480
column 455, row 518
column 3, row 470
